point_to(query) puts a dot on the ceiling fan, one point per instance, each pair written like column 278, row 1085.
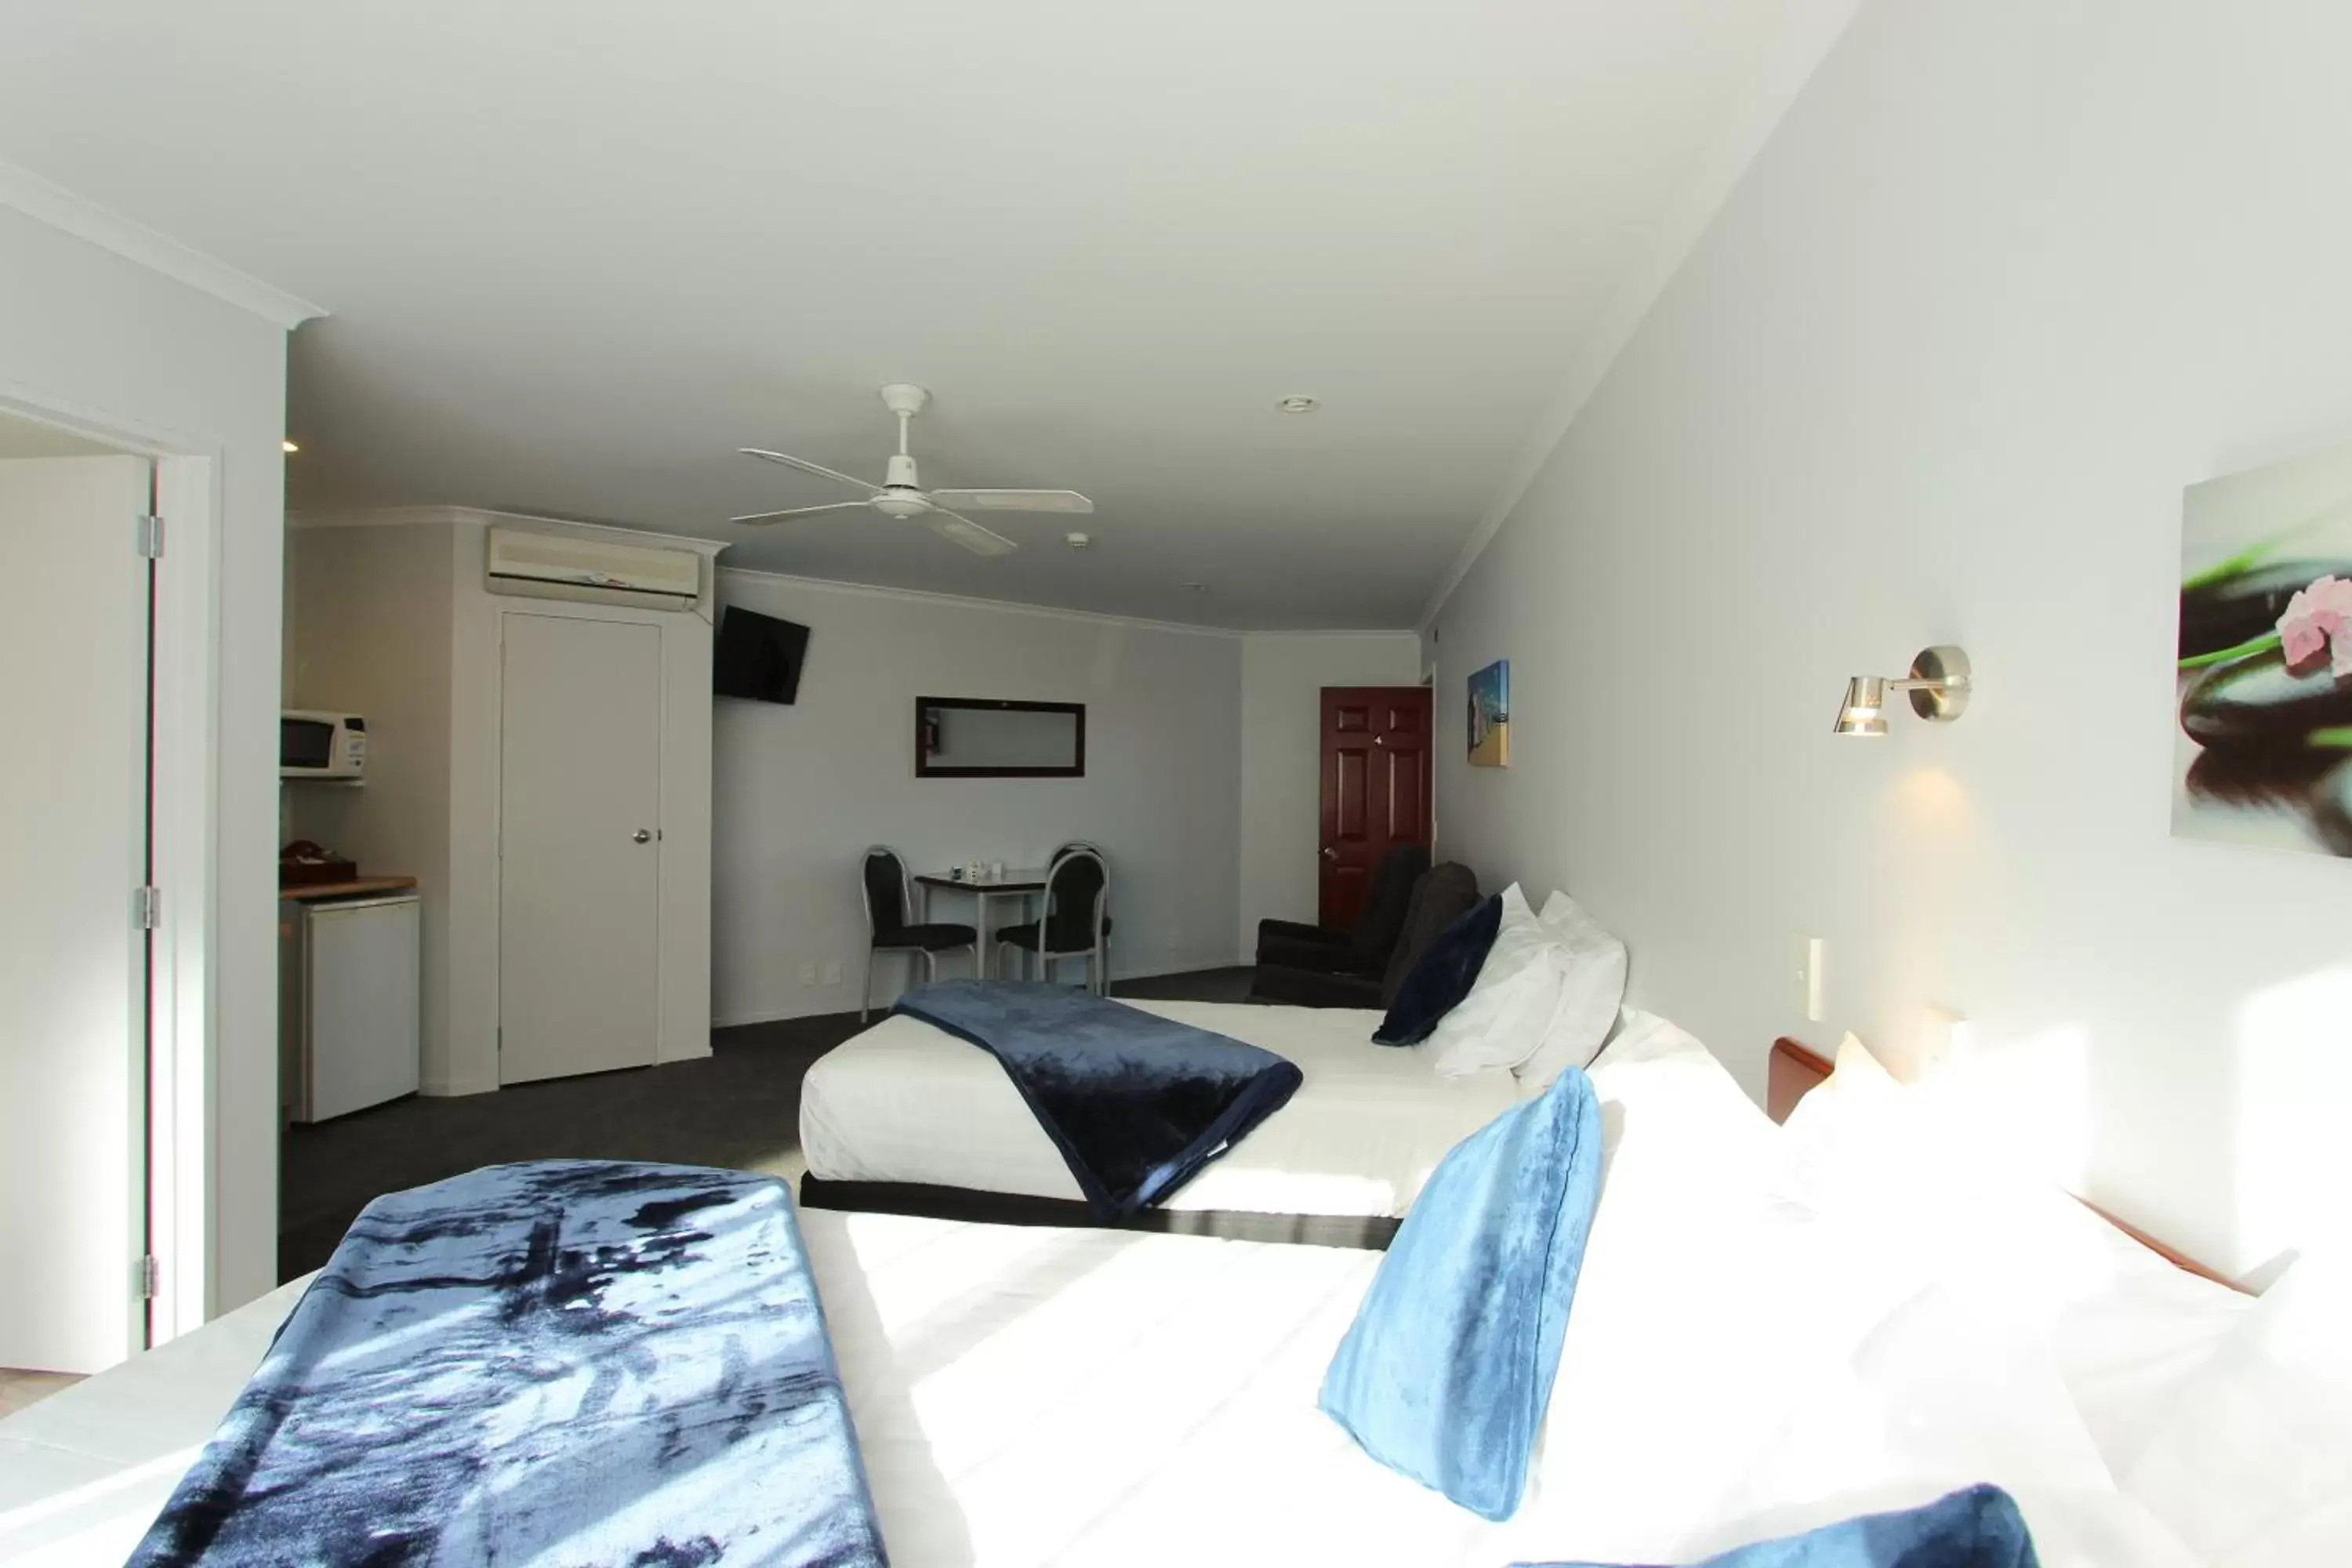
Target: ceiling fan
column 901, row 495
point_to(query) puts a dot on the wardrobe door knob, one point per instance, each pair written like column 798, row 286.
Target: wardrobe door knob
column 641, row 837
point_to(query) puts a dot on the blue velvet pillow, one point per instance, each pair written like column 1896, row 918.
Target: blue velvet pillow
column 1442, row 976
column 1978, row 1528
column 1445, row 1375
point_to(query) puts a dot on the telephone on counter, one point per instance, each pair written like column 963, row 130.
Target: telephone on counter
column 303, row 864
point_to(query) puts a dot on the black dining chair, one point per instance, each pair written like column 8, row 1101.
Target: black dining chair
column 1076, row 886
column 1096, row 850
column 883, row 878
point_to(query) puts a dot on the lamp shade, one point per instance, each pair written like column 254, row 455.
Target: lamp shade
column 1860, row 713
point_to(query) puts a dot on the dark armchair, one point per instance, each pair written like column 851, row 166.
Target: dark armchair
column 1363, row 949
column 1443, row 895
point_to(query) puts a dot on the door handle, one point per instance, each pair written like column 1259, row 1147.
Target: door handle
column 641, row 837
column 1330, row 853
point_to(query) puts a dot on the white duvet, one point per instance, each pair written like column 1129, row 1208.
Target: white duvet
column 907, row 1102
column 1734, row 1366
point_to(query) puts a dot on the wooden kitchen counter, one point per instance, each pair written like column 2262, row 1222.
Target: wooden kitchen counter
column 358, row 888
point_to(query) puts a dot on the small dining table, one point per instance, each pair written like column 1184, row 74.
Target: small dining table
column 1021, row 883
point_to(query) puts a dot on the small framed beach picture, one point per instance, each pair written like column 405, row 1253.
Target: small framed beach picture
column 2262, row 739
column 1490, row 716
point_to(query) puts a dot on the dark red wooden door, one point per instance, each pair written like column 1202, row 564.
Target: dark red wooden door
column 1375, row 787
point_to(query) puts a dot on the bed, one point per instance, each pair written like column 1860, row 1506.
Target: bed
column 1736, row 1363
column 905, row 1118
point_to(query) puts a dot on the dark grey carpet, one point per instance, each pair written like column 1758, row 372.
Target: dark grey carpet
column 1197, row 985
column 739, row 1108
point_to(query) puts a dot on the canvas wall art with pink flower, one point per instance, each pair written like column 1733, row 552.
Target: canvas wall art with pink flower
column 2263, row 744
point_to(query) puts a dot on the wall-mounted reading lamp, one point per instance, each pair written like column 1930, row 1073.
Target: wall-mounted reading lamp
column 1939, row 685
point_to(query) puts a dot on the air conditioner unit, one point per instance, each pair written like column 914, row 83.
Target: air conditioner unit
column 559, row 566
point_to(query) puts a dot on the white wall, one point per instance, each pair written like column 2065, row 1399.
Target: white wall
column 1283, row 677
column 2008, row 277
column 391, row 618
column 686, row 848
column 799, row 792
column 369, row 612
column 88, row 334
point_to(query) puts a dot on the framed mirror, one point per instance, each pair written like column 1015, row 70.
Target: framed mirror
column 978, row 738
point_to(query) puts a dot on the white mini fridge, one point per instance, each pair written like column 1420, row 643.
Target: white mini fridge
column 360, row 1007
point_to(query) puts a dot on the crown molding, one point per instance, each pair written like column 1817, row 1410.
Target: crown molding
column 1052, row 612
column 1009, row 606
column 52, row 203
column 431, row 516
column 1788, row 65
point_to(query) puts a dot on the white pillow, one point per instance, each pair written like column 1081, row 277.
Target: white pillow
column 1510, row 1004
column 1592, row 986
column 1920, row 1175
column 2253, row 1465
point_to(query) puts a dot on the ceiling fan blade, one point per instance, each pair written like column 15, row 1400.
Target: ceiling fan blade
column 968, row 534
column 1014, row 500
column 800, row 511
column 804, row 466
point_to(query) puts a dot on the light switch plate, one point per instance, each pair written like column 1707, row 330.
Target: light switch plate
column 1805, row 967
column 833, row 972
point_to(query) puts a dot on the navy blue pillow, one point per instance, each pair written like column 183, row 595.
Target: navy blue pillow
column 1979, row 1528
column 1441, row 976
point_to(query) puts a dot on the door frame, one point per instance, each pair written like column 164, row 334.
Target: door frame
column 183, row 972
column 1327, row 784
column 684, row 940
column 613, row 614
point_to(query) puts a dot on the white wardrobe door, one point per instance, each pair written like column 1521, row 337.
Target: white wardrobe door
column 73, row 992
column 579, row 880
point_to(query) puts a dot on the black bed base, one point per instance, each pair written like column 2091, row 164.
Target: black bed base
column 1369, row 1233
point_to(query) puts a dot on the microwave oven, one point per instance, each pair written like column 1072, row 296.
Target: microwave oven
column 312, row 746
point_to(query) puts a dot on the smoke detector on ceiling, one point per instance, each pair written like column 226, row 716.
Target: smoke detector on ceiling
column 1078, row 540
column 1298, row 403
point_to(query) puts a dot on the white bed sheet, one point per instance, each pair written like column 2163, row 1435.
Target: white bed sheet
column 907, row 1102
column 1029, row 1396
column 84, row 1472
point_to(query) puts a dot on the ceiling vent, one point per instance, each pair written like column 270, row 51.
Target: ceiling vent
column 558, row 566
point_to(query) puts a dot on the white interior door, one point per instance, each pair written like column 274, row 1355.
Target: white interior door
column 580, row 856
column 73, row 964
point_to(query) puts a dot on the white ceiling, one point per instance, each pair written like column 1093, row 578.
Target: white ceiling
column 576, row 253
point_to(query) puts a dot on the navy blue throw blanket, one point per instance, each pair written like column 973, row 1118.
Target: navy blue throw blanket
column 1136, row 1103
column 1980, row 1527
column 572, row 1361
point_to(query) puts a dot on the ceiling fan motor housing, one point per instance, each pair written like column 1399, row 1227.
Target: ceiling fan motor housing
column 901, row 496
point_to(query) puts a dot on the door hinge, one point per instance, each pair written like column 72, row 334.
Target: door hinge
column 150, row 1278
column 501, row 1046
column 148, row 539
column 147, row 908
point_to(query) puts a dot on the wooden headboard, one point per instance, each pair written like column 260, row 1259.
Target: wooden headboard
column 1795, row 1070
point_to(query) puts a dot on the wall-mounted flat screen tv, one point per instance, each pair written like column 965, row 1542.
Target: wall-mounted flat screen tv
column 757, row 657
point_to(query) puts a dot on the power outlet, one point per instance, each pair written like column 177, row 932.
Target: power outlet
column 833, row 972
column 808, row 974
column 1805, row 976
column 1943, row 1034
